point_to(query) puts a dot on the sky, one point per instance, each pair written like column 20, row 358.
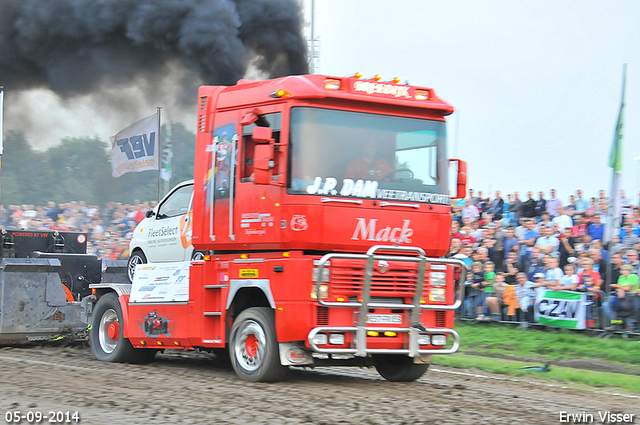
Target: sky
column 536, row 85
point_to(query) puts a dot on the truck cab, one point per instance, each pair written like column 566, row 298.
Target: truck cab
column 321, row 208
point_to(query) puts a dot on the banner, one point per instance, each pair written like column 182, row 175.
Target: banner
column 160, row 283
column 565, row 309
column 135, row 148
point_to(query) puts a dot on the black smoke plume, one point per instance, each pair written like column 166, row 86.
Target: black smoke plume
column 80, row 47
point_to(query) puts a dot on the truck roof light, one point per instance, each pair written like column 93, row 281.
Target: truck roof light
column 357, row 75
column 332, row 84
column 422, row 95
column 378, row 77
column 279, row 93
column 394, row 80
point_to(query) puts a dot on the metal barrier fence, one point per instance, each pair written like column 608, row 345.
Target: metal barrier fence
column 598, row 312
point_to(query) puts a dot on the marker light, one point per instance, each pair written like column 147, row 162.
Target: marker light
column 421, row 95
column 395, row 80
column 357, row 75
column 372, row 333
column 389, row 333
column 159, row 342
column 176, row 342
column 378, row 77
column 286, row 254
column 244, row 256
column 332, row 84
column 279, row 94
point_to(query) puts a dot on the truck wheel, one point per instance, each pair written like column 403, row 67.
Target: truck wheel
column 398, row 368
column 137, row 257
column 253, row 346
column 106, row 337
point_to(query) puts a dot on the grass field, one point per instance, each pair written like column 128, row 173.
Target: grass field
column 574, row 357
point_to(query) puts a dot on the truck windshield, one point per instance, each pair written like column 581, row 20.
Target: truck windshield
column 363, row 155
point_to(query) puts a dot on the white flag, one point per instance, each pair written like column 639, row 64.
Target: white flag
column 135, row 148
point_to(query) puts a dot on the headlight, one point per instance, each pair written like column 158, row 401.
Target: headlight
column 320, row 339
column 424, row 340
column 336, row 339
column 325, row 274
column 438, row 339
column 437, row 295
column 438, row 278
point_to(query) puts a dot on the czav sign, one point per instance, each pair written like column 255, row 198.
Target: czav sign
column 561, row 309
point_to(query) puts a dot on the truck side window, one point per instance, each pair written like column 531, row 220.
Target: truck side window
column 274, row 121
column 177, row 204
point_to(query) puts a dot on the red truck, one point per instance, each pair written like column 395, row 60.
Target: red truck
column 321, row 211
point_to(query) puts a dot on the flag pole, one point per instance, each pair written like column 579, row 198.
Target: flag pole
column 159, row 149
column 1, row 134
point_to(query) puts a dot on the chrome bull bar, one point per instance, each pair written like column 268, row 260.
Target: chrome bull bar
column 415, row 307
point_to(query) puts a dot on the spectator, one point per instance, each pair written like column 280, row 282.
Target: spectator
column 516, row 207
column 579, row 228
column 566, row 247
column 554, row 273
column 587, row 270
column 562, row 219
column 545, row 220
column 541, row 205
column 525, row 294
column 534, row 264
column 530, row 236
column 627, row 237
column 510, row 241
column 581, row 204
column 570, row 209
column 596, row 228
column 552, row 204
column 529, row 208
column 633, row 260
column 626, row 297
column 548, row 244
column 569, row 281
column 511, row 266
column 497, row 206
column 470, row 211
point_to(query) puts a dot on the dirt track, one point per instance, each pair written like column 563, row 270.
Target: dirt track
column 193, row 388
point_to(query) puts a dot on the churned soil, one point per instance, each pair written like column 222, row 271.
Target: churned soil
column 194, row 388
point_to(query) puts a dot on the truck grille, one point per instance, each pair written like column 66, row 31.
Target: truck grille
column 399, row 280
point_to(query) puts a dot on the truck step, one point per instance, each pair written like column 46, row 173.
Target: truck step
column 215, row 286
column 212, row 313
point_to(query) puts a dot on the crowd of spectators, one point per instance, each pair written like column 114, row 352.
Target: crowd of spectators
column 512, row 247
column 109, row 229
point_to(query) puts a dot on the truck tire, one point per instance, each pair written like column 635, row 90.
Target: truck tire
column 106, row 337
column 253, row 346
column 398, row 367
column 137, row 257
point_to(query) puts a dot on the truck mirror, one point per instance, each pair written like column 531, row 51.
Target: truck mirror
column 262, row 135
column 262, row 163
column 149, row 213
column 461, row 183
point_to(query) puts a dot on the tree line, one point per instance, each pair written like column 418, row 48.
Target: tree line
column 79, row 169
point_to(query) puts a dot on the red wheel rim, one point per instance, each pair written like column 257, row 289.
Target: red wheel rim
column 251, row 345
column 114, row 330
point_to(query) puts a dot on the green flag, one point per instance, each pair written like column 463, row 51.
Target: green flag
column 615, row 159
column 615, row 162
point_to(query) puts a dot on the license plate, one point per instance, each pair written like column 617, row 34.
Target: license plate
column 388, row 319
